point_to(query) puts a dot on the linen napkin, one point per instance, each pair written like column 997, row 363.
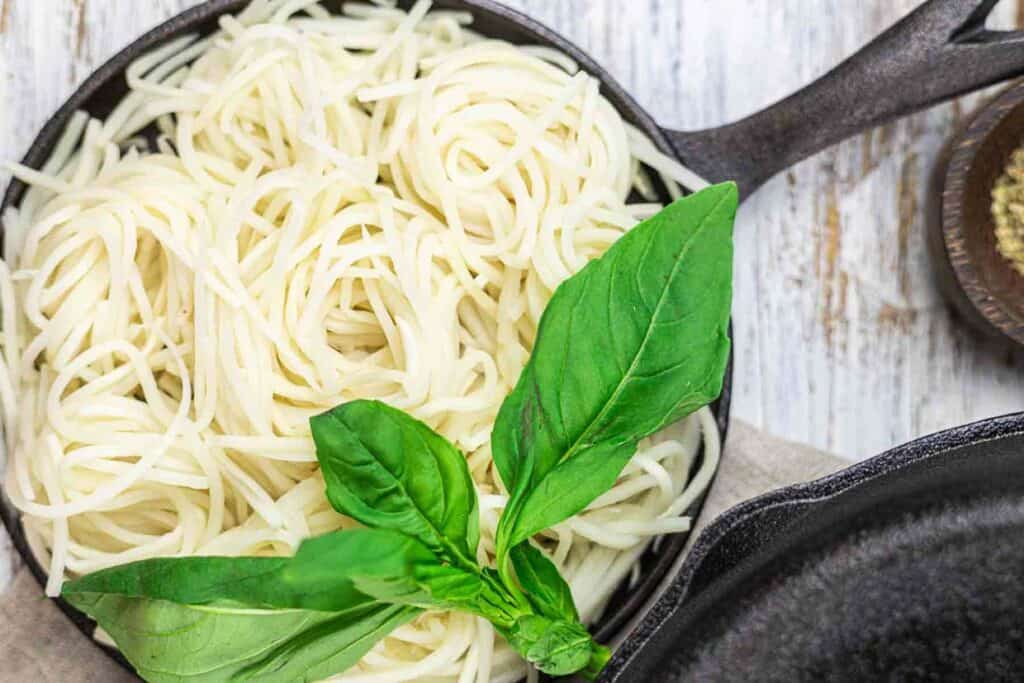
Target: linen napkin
column 39, row 644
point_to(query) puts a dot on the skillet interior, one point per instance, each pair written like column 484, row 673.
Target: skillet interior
column 905, row 567
column 102, row 90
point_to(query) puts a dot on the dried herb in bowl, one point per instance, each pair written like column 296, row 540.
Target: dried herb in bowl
column 1008, row 211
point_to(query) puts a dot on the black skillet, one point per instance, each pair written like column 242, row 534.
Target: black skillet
column 939, row 51
column 906, row 567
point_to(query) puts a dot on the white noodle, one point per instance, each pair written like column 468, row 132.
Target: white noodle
column 375, row 205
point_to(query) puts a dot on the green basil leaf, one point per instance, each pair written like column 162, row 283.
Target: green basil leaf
column 572, row 485
column 168, row 642
column 254, row 582
column 555, row 647
column 599, row 657
column 395, row 568
column 391, row 471
column 634, row 341
column 545, row 588
column 385, row 564
column 330, row 647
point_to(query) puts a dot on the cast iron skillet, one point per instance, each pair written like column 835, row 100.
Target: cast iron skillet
column 903, row 567
column 939, row 51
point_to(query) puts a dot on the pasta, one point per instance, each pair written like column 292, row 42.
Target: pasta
column 300, row 210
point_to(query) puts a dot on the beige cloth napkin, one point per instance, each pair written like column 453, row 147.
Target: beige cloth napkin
column 38, row 644
column 755, row 463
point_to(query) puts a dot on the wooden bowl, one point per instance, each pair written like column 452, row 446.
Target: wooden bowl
column 978, row 280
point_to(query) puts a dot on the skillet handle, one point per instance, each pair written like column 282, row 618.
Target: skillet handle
column 939, row 51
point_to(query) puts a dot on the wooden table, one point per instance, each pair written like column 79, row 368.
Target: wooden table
column 842, row 340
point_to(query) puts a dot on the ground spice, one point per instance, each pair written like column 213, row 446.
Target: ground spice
column 1008, row 211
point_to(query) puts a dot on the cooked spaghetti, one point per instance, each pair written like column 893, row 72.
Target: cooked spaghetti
column 301, row 210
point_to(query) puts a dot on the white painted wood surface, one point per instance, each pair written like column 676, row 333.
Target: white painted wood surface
column 842, row 340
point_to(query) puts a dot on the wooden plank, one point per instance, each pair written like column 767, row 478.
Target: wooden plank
column 842, row 339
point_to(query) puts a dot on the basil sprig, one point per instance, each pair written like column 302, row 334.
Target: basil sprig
column 636, row 340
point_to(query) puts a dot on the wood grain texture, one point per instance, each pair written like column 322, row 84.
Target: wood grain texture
column 842, row 339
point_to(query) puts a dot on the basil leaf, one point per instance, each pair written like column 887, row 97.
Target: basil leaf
column 235, row 616
column 545, row 588
column 396, row 568
column 555, row 647
column 384, row 564
column 169, row 643
column 324, row 648
column 254, row 582
column 572, row 485
column 634, row 341
column 330, row 647
column 391, row 471
column 599, row 657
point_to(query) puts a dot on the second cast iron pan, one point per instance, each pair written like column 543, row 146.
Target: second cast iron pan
column 907, row 567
